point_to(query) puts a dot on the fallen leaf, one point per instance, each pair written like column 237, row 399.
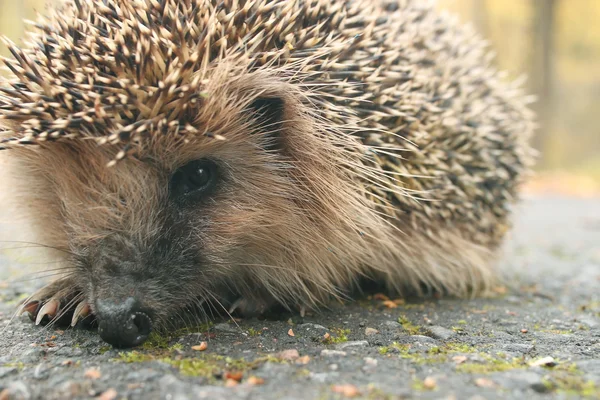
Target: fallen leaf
column 231, row 382
column 92, row 373
column 254, row 380
column 524, row 330
column 303, row 360
column 485, row 383
column 110, row 394
column 201, row 347
column 234, row 375
column 67, row 362
column 346, row 390
column 380, row 296
column 291, row 332
column 390, row 304
column 326, row 335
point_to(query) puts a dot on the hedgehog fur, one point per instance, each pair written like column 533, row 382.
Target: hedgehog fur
column 352, row 138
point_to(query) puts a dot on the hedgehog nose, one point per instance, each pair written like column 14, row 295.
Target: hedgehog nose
column 122, row 324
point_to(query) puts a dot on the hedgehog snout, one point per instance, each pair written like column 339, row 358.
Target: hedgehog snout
column 123, row 324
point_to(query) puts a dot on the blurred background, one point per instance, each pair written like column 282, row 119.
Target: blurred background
column 556, row 43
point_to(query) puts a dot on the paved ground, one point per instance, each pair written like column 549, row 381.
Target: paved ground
column 538, row 339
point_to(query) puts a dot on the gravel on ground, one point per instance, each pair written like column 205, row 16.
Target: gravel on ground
column 536, row 337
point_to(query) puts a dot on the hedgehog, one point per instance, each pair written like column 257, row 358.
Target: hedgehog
column 245, row 155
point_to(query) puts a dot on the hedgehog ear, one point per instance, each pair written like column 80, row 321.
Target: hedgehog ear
column 268, row 113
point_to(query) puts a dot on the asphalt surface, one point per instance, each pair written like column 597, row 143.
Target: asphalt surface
column 537, row 338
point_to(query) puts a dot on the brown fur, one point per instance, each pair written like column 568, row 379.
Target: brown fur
column 354, row 189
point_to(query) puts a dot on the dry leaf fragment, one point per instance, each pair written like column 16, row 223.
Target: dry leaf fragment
column 485, row 383
column 201, row 347
column 92, row 373
column 346, row 390
column 231, row 383
column 303, row 360
column 110, row 394
column 390, row 304
column 254, row 380
column 235, row 375
column 291, row 332
column 380, row 296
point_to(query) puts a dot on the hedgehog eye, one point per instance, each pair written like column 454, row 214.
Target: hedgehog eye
column 196, row 177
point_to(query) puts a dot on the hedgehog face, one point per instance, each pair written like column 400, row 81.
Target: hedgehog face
column 216, row 219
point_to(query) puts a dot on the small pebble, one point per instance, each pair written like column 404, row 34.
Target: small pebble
column 225, row 327
column 289, row 355
column 333, row 353
column 355, row 343
column 429, row 383
column 438, row 332
column 371, row 331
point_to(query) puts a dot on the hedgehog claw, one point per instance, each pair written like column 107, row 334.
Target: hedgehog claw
column 302, row 311
column 236, row 304
column 50, row 309
column 81, row 312
column 30, row 308
column 53, row 303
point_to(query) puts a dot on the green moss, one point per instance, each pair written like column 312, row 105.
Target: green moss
column 568, row 380
column 374, row 393
column 254, row 332
column 408, row 326
column 156, row 341
column 134, row 357
column 492, row 364
column 194, row 366
column 104, row 349
column 462, row 322
column 437, row 354
column 338, row 335
column 454, row 347
column 487, row 368
column 19, row 365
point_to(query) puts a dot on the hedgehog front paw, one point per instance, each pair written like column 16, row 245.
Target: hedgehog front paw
column 58, row 303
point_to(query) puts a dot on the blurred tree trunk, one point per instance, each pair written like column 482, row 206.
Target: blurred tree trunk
column 542, row 73
column 479, row 10
column 11, row 20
